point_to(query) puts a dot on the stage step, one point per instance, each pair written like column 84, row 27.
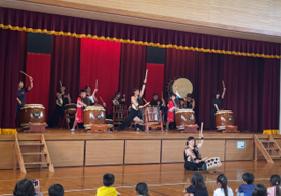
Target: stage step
column 265, row 146
column 42, row 151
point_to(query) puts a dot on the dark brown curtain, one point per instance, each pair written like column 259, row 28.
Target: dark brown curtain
column 65, row 66
column 111, row 30
column 132, row 69
column 9, row 66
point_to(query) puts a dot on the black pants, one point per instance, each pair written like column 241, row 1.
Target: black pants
column 213, row 112
column 133, row 113
column 194, row 166
column 56, row 115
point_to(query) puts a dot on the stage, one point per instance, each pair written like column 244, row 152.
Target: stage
column 128, row 147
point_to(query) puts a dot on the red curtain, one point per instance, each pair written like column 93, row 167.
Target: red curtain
column 100, row 60
column 65, row 66
column 155, row 80
column 67, row 24
column 252, row 86
column 132, row 69
column 38, row 66
column 9, row 66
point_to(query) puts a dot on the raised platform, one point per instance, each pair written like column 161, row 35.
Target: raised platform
column 69, row 149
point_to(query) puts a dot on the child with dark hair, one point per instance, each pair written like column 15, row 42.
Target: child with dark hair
column 197, row 187
column 223, row 189
column 107, row 189
column 247, row 187
column 24, row 187
column 142, row 189
column 275, row 183
column 56, row 190
column 259, row 190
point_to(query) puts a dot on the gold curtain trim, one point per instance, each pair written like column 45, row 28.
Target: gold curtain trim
column 136, row 42
column 8, row 131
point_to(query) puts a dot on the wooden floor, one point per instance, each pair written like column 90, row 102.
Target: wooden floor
column 163, row 179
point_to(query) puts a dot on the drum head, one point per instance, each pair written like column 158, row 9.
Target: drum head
column 184, row 85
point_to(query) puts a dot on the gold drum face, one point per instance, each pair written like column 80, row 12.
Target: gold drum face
column 184, row 117
column 223, row 118
column 34, row 113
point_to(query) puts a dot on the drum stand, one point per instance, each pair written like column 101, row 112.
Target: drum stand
column 37, row 128
column 230, row 129
column 190, row 129
column 99, row 129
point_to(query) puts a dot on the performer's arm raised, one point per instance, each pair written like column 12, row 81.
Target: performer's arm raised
column 31, row 83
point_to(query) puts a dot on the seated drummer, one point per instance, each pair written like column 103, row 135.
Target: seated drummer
column 82, row 102
column 89, row 95
column 190, row 102
column 117, row 100
column 181, row 104
column 155, row 99
column 191, row 155
column 63, row 98
column 21, row 93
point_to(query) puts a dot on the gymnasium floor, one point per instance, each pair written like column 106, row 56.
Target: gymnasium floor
column 162, row 179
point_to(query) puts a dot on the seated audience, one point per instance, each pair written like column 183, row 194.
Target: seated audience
column 56, row 190
column 223, row 189
column 259, row 190
column 247, row 187
column 26, row 187
column 142, row 189
column 275, row 183
column 197, row 187
column 107, row 189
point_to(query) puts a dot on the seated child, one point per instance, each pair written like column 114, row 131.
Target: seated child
column 275, row 183
column 197, row 187
column 223, row 189
column 259, row 190
column 247, row 187
column 142, row 189
column 107, row 189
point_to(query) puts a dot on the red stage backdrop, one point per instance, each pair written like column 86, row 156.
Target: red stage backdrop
column 155, row 80
column 100, row 60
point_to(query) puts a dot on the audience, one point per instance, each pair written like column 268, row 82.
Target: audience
column 142, row 189
column 24, row 188
column 259, row 190
column 223, row 189
column 247, row 187
column 197, row 187
column 107, row 189
column 56, row 190
column 275, row 183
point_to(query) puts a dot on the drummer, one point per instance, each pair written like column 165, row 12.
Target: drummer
column 21, row 98
column 216, row 106
column 155, row 99
column 117, row 100
column 91, row 96
column 191, row 155
column 190, row 103
column 172, row 106
column 181, row 104
column 63, row 98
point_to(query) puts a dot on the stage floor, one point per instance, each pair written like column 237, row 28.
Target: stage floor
column 162, row 179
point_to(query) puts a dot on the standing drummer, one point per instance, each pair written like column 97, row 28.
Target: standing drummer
column 21, row 98
column 216, row 106
column 190, row 103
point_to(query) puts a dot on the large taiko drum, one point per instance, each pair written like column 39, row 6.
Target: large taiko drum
column 34, row 113
column 223, row 118
column 94, row 115
column 184, row 117
column 183, row 84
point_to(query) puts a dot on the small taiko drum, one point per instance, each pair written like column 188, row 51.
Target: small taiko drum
column 213, row 163
column 94, row 115
column 153, row 114
column 223, row 118
column 184, row 117
column 34, row 113
column 70, row 108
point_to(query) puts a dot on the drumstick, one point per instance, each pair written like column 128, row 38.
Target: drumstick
column 201, row 128
column 97, row 83
column 144, row 100
column 146, row 104
column 60, row 84
column 25, row 74
column 146, row 73
column 204, row 159
column 223, row 84
column 162, row 94
column 102, row 100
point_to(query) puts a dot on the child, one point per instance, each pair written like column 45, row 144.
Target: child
column 223, row 189
column 181, row 105
column 197, row 187
column 142, row 189
column 172, row 106
column 260, row 190
column 107, row 189
column 247, row 187
column 79, row 113
column 275, row 183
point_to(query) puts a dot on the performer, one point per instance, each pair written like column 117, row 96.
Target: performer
column 162, row 107
column 135, row 107
column 90, row 96
column 181, row 104
column 117, row 100
column 21, row 98
column 191, row 155
column 82, row 102
column 216, row 106
column 63, row 98
column 190, row 102
column 155, row 99
column 172, row 106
